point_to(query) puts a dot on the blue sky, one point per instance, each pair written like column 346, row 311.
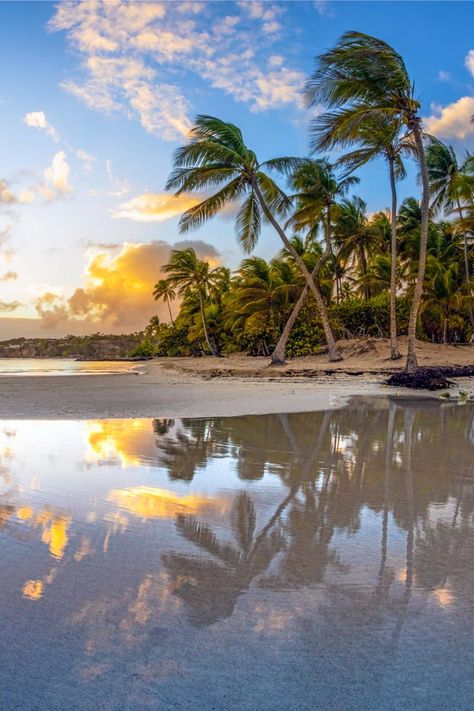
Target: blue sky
column 95, row 98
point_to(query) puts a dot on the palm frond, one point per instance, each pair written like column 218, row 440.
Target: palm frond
column 248, row 223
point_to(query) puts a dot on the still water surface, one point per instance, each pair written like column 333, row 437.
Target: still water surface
column 64, row 366
column 318, row 561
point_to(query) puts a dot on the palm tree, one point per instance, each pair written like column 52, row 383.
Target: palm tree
column 384, row 139
column 187, row 274
column 452, row 186
column 216, row 156
column 152, row 330
column 164, row 290
column 260, row 295
column 363, row 79
column 357, row 237
column 317, row 188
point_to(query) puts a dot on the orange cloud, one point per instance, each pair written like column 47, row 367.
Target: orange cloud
column 155, row 207
column 152, row 502
column 117, row 291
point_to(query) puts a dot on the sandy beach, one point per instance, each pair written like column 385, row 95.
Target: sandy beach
column 206, row 387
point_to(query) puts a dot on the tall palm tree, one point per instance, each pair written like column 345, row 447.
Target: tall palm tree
column 217, row 157
column 317, row 187
column 187, row 273
column 452, row 189
column 380, row 138
column 164, row 290
column 361, row 79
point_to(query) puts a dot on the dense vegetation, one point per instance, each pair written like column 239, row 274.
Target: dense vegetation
column 95, row 346
column 341, row 272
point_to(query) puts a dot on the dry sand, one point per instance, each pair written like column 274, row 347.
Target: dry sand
column 206, row 387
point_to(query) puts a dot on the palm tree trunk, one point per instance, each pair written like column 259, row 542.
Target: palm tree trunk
column 412, row 362
column 204, row 324
column 445, row 330
column 334, row 354
column 278, row 355
column 363, row 269
column 171, row 315
column 394, row 350
column 467, row 271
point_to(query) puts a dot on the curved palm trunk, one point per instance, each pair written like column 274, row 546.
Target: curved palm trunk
column 412, row 362
column 278, row 355
column 204, row 325
column 394, row 350
column 467, row 271
column 334, row 354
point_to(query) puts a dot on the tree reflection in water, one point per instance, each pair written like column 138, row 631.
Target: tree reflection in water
column 399, row 459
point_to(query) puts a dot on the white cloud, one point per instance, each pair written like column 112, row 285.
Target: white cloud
column 86, row 158
column 132, row 52
column 120, row 187
column 8, row 276
column 469, row 61
column 37, row 119
column 453, row 120
column 155, row 207
column 6, row 195
column 444, row 76
column 56, row 178
column 322, row 8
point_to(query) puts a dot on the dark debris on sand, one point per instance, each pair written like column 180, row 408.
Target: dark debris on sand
column 430, row 378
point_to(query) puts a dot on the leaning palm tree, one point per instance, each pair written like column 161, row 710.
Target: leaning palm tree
column 165, row 291
column 452, row 190
column 379, row 138
column 217, row 157
column 317, row 187
column 363, row 79
column 188, row 274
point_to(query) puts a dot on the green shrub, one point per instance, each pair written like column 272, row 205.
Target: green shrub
column 145, row 349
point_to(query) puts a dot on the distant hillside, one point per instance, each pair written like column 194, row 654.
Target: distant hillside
column 96, row 346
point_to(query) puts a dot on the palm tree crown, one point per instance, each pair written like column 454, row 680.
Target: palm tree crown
column 217, row 157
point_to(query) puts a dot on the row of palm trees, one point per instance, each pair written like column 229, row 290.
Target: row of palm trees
column 371, row 110
column 263, row 300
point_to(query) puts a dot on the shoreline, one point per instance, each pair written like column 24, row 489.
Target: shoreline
column 163, row 392
column 224, row 387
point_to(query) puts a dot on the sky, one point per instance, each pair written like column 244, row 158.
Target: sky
column 96, row 96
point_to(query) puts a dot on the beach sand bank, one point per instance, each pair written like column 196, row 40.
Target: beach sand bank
column 207, row 387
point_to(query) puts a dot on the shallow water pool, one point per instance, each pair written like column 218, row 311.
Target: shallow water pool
column 304, row 561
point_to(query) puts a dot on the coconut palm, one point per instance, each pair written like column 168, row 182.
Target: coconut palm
column 363, row 79
column 357, row 237
column 153, row 328
column 187, row 274
column 317, row 187
column 217, row 157
column 452, row 190
column 260, row 295
column 165, row 291
column 380, row 138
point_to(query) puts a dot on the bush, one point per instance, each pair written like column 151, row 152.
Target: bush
column 145, row 349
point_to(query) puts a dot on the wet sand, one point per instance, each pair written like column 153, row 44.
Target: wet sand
column 230, row 386
column 163, row 392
